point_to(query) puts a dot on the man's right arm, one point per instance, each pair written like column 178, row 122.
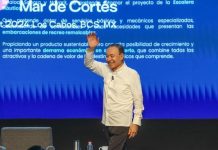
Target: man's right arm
column 94, row 66
column 90, row 63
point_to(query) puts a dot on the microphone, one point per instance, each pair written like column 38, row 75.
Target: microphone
column 112, row 78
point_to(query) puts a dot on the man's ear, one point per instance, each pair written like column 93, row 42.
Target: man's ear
column 122, row 56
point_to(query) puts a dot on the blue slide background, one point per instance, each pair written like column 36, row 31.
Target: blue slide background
column 181, row 88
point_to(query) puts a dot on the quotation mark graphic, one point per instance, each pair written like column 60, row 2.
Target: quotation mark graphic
column 3, row 4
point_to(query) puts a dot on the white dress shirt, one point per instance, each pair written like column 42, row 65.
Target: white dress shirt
column 122, row 93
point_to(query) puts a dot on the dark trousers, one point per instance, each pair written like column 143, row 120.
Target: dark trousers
column 116, row 137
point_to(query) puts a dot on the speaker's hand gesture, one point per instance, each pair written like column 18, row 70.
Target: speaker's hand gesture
column 93, row 40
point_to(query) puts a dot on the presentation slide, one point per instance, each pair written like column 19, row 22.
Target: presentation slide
column 172, row 44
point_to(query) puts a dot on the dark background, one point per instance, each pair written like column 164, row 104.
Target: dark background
column 153, row 135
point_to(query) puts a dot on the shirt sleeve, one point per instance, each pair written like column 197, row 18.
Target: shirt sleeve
column 94, row 66
column 137, row 99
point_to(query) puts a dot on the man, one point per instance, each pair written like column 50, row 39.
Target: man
column 122, row 94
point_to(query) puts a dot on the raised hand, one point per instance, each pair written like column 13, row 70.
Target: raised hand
column 93, row 40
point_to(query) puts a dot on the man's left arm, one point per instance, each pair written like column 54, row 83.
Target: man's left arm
column 138, row 105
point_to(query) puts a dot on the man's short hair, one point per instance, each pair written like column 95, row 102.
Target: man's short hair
column 118, row 46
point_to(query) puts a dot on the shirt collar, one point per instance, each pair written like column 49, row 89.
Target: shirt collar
column 121, row 68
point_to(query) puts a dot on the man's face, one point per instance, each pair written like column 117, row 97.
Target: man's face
column 114, row 58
